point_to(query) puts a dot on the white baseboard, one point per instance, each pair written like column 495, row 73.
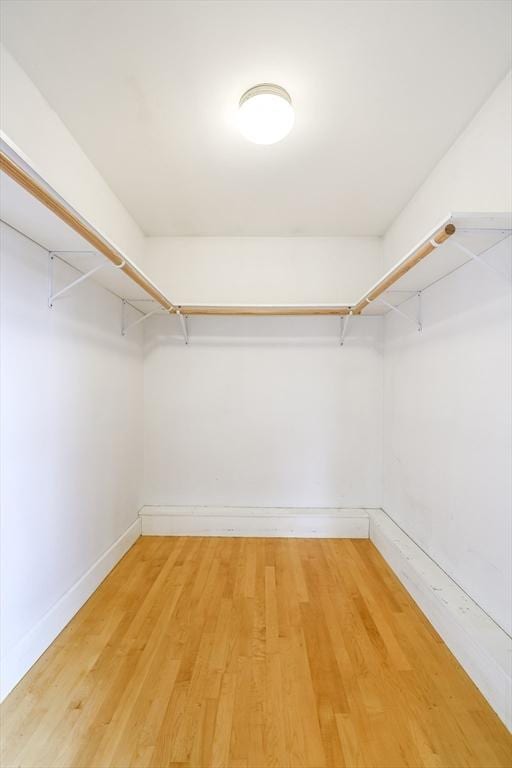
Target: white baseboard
column 255, row 521
column 479, row 644
column 17, row 661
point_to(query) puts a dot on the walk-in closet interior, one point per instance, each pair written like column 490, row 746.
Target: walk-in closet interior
column 256, row 384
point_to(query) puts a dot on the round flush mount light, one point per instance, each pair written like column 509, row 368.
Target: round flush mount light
column 265, row 114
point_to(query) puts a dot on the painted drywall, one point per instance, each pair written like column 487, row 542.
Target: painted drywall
column 448, row 428
column 71, row 394
column 475, row 175
column 264, row 270
column 263, row 412
column 28, row 122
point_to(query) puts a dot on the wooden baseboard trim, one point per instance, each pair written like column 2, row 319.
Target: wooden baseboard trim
column 255, row 521
column 17, row 661
column 478, row 643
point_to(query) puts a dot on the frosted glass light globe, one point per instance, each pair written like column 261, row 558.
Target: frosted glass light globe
column 265, row 114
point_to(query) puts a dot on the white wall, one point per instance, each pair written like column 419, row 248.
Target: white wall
column 71, row 394
column 448, row 430
column 263, row 412
column 447, row 394
column 475, row 175
column 264, row 270
column 28, row 121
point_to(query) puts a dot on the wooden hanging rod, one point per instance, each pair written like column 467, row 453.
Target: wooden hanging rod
column 261, row 311
column 38, row 191
column 401, row 269
column 387, row 281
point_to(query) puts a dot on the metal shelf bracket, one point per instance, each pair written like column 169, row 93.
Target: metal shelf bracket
column 344, row 321
column 53, row 295
column 184, row 328
column 418, row 321
column 481, row 261
column 126, row 327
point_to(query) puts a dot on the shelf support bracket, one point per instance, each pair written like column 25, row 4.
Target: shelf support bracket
column 184, row 329
column 481, row 261
column 125, row 328
column 344, row 321
column 417, row 322
column 53, row 295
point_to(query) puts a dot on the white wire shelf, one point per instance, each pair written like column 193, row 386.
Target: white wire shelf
column 475, row 233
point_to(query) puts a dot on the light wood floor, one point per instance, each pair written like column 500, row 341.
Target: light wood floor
column 248, row 653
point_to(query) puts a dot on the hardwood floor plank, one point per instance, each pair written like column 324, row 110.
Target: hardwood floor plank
column 250, row 653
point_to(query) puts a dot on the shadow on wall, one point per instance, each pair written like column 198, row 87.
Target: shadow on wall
column 263, row 331
column 470, row 295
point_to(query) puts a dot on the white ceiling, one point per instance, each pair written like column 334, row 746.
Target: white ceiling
column 150, row 91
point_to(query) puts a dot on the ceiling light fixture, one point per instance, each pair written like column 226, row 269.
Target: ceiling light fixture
column 265, row 114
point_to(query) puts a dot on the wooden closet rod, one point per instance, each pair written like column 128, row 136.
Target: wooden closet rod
column 38, row 191
column 387, row 281
column 401, row 269
column 195, row 309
